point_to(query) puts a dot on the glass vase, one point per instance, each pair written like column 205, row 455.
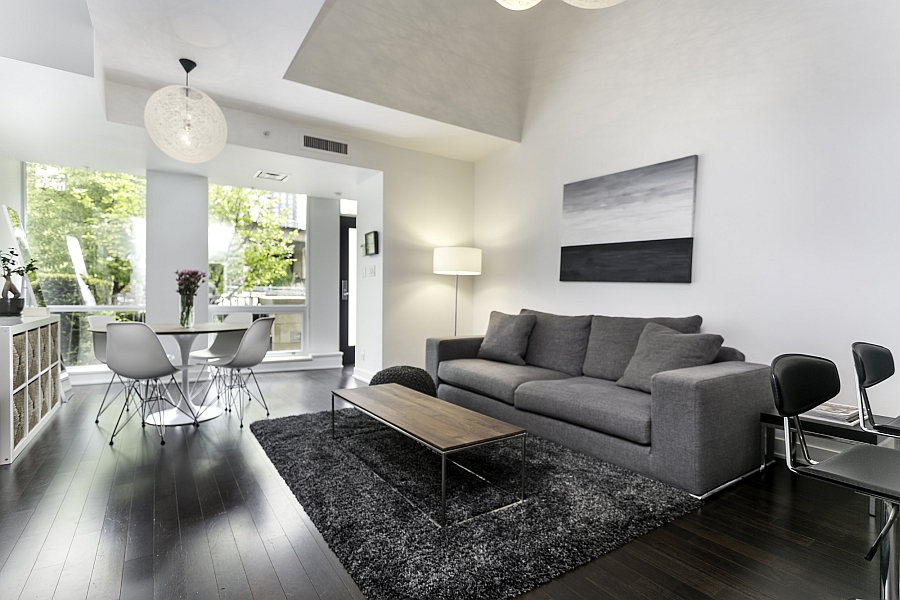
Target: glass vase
column 186, row 318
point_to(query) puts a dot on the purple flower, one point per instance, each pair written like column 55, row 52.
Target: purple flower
column 189, row 281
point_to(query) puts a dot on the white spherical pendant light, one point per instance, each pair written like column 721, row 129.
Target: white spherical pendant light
column 517, row 4
column 185, row 123
column 593, row 3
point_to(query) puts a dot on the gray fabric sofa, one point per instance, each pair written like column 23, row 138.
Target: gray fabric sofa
column 697, row 429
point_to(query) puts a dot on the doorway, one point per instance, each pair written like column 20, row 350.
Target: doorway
column 348, row 289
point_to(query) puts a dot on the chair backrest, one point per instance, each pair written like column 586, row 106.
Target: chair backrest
column 97, row 321
column 226, row 343
column 254, row 345
column 873, row 363
column 135, row 352
column 99, row 339
column 801, row 382
column 240, row 317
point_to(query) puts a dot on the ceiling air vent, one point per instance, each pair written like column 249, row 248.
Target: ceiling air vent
column 271, row 176
column 324, row 145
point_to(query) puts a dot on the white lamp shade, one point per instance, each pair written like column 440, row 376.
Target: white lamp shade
column 517, row 4
column 593, row 3
column 457, row 261
column 185, row 123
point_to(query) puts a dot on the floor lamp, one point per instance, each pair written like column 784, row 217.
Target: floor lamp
column 457, row 261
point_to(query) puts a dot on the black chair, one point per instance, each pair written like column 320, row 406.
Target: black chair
column 873, row 365
column 801, row 383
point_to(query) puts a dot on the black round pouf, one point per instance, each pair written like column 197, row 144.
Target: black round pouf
column 412, row 377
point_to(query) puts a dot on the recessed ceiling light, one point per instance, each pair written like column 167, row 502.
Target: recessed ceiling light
column 270, row 175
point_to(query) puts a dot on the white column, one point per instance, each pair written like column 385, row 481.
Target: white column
column 177, row 232
column 323, row 281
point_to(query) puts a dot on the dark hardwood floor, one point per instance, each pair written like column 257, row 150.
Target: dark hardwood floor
column 207, row 516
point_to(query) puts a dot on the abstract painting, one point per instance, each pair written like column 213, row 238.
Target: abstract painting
column 637, row 225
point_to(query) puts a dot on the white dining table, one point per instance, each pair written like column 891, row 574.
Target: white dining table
column 185, row 336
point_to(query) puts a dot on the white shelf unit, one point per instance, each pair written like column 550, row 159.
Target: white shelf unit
column 29, row 381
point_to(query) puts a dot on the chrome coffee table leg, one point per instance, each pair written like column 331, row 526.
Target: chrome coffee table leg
column 443, row 489
column 522, row 491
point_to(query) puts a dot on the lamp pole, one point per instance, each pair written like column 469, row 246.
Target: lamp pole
column 457, row 261
column 456, row 306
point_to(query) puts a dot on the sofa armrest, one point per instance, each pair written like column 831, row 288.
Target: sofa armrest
column 438, row 350
column 704, row 423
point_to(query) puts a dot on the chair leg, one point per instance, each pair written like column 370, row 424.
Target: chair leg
column 119, row 420
column 262, row 398
column 119, row 423
column 241, row 386
column 888, row 546
column 143, row 406
column 103, row 404
column 160, row 407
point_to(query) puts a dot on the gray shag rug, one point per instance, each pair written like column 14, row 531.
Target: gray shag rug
column 374, row 495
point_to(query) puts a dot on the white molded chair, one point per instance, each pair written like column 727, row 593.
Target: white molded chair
column 135, row 353
column 99, row 341
column 251, row 352
column 224, row 346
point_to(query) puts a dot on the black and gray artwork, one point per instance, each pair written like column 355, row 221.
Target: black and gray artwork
column 636, row 225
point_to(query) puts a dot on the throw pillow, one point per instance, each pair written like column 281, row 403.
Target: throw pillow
column 506, row 339
column 662, row 349
column 558, row 342
column 614, row 339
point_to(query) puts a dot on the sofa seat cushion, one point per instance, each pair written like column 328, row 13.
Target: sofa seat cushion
column 493, row 379
column 592, row 403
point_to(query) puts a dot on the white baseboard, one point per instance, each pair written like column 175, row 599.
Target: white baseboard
column 361, row 375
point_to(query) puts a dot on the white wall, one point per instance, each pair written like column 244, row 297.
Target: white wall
column 177, row 239
column 792, row 108
column 323, row 283
column 370, row 288
column 11, row 192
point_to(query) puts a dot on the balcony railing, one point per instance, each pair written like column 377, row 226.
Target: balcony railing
column 289, row 335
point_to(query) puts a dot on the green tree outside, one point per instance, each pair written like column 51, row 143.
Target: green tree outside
column 97, row 209
column 94, row 207
column 261, row 250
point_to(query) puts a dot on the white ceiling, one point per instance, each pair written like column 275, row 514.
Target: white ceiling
column 53, row 110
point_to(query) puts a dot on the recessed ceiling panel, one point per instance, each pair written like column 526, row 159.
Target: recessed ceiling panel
column 51, row 33
column 455, row 62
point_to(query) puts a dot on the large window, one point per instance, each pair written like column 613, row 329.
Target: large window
column 86, row 230
column 257, row 258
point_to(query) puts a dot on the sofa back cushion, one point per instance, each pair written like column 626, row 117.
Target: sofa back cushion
column 558, row 342
column 613, row 341
column 506, row 339
column 662, row 349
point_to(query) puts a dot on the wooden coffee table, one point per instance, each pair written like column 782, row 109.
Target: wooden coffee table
column 440, row 426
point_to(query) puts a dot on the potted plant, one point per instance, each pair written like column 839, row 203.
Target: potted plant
column 9, row 262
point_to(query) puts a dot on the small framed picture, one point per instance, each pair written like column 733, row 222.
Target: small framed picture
column 371, row 243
